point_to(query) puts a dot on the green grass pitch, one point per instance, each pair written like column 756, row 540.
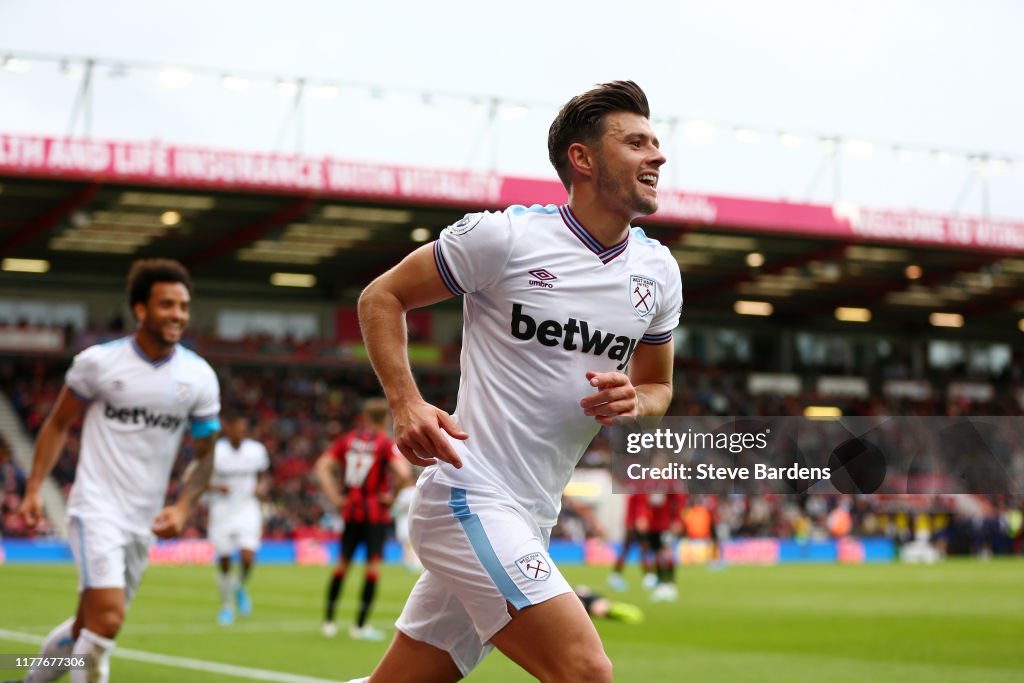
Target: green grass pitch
column 959, row 621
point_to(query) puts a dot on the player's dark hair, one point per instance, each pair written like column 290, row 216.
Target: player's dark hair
column 581, row 119
column 376, row 410
column 145, row 273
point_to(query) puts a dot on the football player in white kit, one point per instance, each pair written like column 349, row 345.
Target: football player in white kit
column 235, row 523
column 568, row 319
column 138, row 394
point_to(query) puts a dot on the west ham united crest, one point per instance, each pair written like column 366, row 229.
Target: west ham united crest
column 534, row 566
column 642, row 293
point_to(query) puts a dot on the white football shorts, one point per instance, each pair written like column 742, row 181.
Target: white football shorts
column 482, row 552
column 106, row 555
column 239, row 532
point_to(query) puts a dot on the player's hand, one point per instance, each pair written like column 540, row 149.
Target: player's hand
column 615, row 397
column 31, row 509
column 170, row 521
column 419, row 434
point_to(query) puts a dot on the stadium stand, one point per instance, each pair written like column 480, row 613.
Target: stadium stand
column 299, row 410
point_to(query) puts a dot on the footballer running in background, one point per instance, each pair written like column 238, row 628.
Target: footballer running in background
column 138, row 395
column 240, row 479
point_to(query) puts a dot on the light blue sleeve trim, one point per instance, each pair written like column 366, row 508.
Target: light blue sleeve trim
column 484, row 551
column 642, row 236
column 519, row 209
column 203, row 427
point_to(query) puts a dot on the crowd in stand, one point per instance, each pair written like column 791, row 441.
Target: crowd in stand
column 297, row 412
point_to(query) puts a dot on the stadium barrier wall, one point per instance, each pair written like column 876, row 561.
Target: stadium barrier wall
column 848, row 550
column 315, row 552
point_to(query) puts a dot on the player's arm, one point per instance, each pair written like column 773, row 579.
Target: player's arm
column 650, row 371
column 645, row 391
column 171, row 520
column 401, row 473
column 49, row 444
column 413, row 283
column 215, row 488
column 263, row 484
column 265, row 477
column 325, row 471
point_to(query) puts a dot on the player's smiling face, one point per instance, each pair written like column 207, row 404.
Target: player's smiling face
column 627, row 164
column 165, row 316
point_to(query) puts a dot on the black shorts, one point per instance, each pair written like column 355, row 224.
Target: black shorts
column 635, row 537
column 355, row 533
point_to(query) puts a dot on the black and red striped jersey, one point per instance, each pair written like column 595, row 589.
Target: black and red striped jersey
column 364, row 456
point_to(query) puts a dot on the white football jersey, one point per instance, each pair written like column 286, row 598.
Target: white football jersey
column 238, row 469
column 133, row 427
column 544, row 303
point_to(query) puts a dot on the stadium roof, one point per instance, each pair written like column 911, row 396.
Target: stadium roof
column 89, row 208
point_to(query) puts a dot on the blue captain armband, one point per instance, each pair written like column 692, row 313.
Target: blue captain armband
column 203, row 427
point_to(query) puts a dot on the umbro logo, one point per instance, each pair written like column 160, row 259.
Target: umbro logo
column 542, row 278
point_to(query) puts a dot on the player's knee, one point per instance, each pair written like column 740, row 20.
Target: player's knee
column 106, row 622
column 592, row 667
column 601, row 669
column 580, row 666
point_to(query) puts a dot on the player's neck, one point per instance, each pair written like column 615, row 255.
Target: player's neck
column 153, row 348
column 606, row 226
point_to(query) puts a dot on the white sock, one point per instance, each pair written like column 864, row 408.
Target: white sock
column 226, row 585
column 57, row 644
column 364, row 679
column 97, row 648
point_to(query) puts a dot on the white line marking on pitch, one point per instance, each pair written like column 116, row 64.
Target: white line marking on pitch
column 185, row 662
column 237, row 627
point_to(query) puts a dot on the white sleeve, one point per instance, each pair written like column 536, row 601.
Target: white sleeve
column 207, row 406
column 82, row 378
column 264, row 458
column 669, row 308
column 472, row 253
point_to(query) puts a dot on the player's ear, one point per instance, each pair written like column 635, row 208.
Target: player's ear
column 139, row 310
column 581, row 158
